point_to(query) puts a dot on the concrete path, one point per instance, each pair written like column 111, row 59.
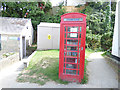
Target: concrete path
column 101, row 75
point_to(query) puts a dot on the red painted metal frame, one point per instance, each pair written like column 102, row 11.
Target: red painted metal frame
column 63, row 24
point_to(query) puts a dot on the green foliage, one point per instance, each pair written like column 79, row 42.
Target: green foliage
column 108, row 52
column 5, row 55
column 98, row 17
column 95, row 22
column 35, row 15
column 19, row 9
column 53, row 18
column 48, row 6
column 60, row 5
column 92, row 40
column 99, row 27
column 13, row 9
column 106, row 40
column 85, row 78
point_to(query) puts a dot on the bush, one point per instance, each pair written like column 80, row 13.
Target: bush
column 47, row 17
column 93, row 41
column 100, row 31
column 106, row 40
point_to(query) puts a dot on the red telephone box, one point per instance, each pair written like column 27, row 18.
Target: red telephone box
column 72, row 46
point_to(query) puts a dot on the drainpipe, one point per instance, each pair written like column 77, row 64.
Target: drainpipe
column 110, row 14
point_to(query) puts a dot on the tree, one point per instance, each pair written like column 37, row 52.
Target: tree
column 25, row 10
column 99, row 24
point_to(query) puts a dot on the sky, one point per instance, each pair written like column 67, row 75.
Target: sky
column 55, row 2
column 76, row 2
column 69, row 2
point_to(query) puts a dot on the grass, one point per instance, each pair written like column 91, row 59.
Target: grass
column 44, row 66
column 5, row 55
column 88, row 52
column 106, row 53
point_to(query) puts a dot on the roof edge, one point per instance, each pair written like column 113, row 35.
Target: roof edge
column 11, row 33
column 16, row 18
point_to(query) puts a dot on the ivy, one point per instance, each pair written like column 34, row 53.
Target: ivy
column 99, row 28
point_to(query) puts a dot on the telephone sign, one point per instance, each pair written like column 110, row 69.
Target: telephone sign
column 73, row 19
column 49, row 36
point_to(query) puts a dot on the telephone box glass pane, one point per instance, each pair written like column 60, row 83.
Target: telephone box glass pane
column 73, row 42
column 71, row 60
column 65, row 35
column 72, row 66
column 64, row 65
column 72, row 29
column 79, row 54
column 65, row 41
column 80, row 29
column 73, row 72
column 78, row 72
column 74, row 54
column 64, row 59
column 80, row 35
column 72, row 35
column 72, row 48
column 64, row 53
column 79, row 48
column 79, row 42
column 78, row 66
column 65, row 29
column 64, row 47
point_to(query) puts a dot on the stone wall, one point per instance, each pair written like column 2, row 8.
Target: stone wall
column 9, row 60
column 73, row 8
column 10, row 43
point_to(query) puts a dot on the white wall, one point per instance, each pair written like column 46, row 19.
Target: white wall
column 119, row 28
column 116, row 35
column 43, row 30
column 28, row 32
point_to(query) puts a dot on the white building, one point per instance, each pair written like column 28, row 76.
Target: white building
column 116, row 36
column 48, row 36
column 16, row 34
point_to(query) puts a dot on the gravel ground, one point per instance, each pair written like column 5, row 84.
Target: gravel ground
column 101, row 75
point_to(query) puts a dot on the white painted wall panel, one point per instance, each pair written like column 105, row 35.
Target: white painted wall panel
column 56, row 37
column 43, row 41
column 116, row 35
column 45, row 29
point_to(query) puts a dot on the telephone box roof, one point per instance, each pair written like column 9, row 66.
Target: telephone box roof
column 73, row 13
